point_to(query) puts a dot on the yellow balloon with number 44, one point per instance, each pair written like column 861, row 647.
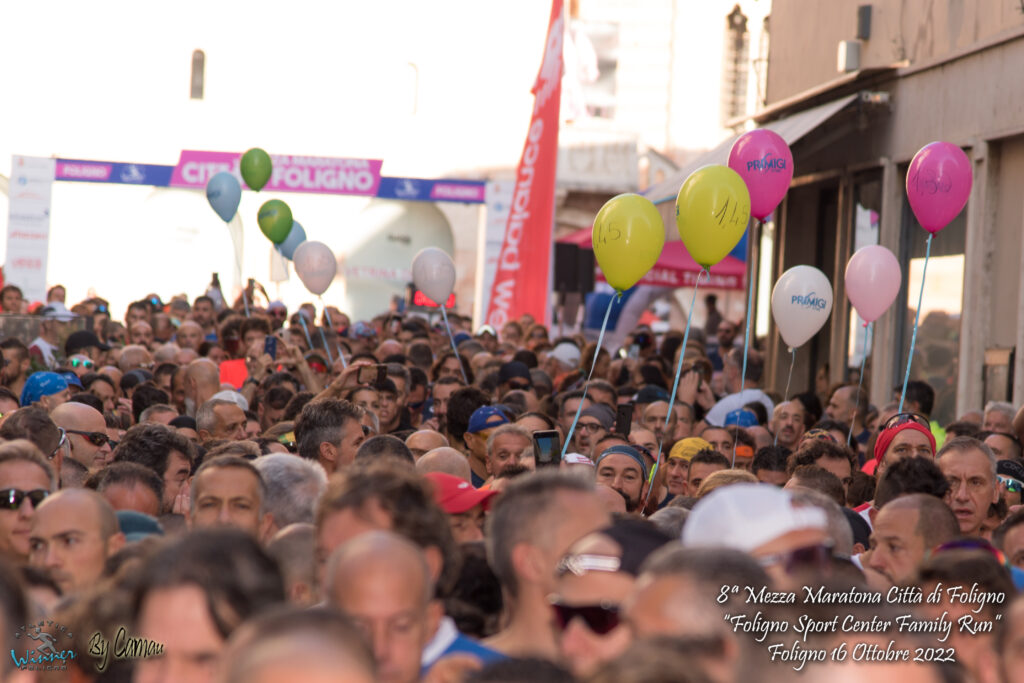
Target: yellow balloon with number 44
column 712, row 211
column 628, row 235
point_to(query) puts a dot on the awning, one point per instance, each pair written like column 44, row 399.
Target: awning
column 791, row 128
column 675, row 266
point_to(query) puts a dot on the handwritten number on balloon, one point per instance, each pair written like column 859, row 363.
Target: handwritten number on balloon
column 724, row 215
column 609, row 233
column 931, row 185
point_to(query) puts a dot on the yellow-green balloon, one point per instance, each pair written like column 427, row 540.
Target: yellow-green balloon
column 712, row 211
column 256, row 168
column 275, row 219
column 628, row 235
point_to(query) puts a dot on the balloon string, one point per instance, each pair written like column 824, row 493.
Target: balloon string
column 917, row 317
column 860, row 382
column 323, row 338
column 593, row 364
column 444, row 314
column 309, row 340
column 330, row 323
column 789, row 380
column 746, row 337
column 675, row 384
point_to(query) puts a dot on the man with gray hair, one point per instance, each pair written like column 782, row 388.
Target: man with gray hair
column 998, row 417
column 293, row 487
column 330, row 432
column 220, row 418
column 530, row 527
column 508, row 446
column 970, row 468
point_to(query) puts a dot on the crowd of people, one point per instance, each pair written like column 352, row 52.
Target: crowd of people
column 216, row 492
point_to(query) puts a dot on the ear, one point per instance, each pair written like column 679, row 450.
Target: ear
column 435, row 610
column 435, row 562
column 267, row 528
column 326, row 452
column 204, row 434
column 528, row 563
column 115, row 543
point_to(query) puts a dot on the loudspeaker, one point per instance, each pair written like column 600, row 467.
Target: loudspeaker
column 585, row 263
column 566, row 267
column 864, row 22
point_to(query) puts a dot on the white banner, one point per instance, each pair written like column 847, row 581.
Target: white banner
column 498, row 200
column 28, row 227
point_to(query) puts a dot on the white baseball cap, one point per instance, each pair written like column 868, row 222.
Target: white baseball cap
column 746, row 516
column 567, row 353
column 233, row 396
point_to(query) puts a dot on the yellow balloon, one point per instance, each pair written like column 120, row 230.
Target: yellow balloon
column 628, row 235
column 712, row 211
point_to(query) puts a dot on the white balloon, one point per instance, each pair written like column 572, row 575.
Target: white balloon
column 433, row 273
column 801, row 304
column 315, row 265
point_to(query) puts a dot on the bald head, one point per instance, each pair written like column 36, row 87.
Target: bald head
column 376, row 555
column 388, row 347
column 73, row 415
column 202, row 380
column 134, row 357
column 81, row 515
column 166, row 353
column 936, row 523
column 447, row 460
column 190, row 335
column 424, row 441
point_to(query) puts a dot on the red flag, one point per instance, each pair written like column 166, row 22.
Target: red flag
column 524, row 265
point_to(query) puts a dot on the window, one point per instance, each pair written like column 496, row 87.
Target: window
column 198, row 74
column 734, row 68
column 937, row 352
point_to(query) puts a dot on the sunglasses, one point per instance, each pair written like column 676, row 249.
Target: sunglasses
column 95, row 438
column 601, row 618
column 60, row 444
column 1012, row 485
column 11, row 499
column 82, row 363
column 808, row 557
column 904, row 418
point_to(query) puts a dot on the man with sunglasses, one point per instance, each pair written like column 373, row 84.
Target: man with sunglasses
column 26, row 479
column 789, row 540
column 87, row 434
column 594, row 578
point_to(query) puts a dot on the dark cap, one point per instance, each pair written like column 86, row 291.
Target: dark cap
column 83, row 339
column 1010, row 468
column 602, row 413
column 650, row 394
column 638, row 538
column 184, row 422
column 514, row 370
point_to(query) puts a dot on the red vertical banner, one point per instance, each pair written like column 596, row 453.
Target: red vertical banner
column 521, row 280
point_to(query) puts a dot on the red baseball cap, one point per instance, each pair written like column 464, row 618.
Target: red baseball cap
column 456, row 495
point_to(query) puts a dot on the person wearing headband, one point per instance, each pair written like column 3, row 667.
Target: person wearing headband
column 623, row 468
column 904, row 435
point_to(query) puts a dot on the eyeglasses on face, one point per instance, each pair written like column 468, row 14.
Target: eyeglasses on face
column 95, row 438
column 600, row 618
column 1012, row 485
column 808, row 557
column 82, row 363
column 11, row 499
column 904, row 418
column 60, row 444
column 589, row 427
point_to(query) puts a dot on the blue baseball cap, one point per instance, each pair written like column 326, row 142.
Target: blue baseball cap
column 627, row 451
column 741, row 418
column 72, row 379
column 41, row 384
column 136, row 526
column 484, row 418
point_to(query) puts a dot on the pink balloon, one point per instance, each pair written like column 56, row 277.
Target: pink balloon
column 938, row 184
column 872, row 281
column 763, row 160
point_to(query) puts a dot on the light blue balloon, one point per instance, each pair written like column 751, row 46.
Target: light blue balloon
column 296, row 236
column 224, row 192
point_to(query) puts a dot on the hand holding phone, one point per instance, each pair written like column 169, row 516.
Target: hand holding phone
column 624, row 419
column 270, row 346
column 547, row 451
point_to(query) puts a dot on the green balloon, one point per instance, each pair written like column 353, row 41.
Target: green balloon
column 275, row 219
column 256, row 168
